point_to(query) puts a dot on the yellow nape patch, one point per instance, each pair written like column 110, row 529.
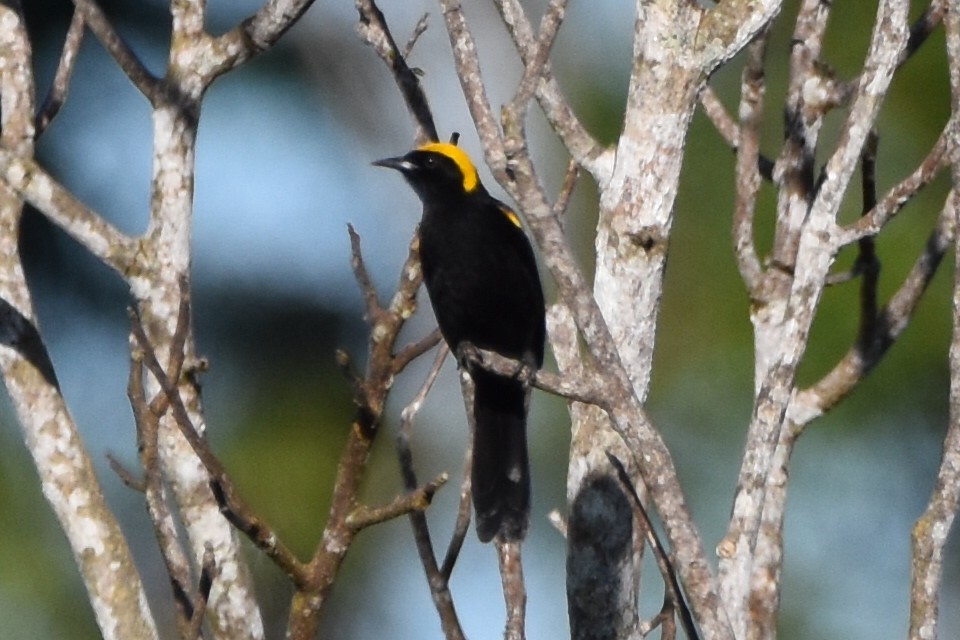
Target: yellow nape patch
column 511, row 216
column 460, row 157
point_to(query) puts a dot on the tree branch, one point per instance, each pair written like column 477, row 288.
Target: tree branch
column 148, row 84
column 57, row 94
column 438, row 577
column 374, row 31
column 583, row 148
column 32, row 183
column 66, row 474
column 514, row 590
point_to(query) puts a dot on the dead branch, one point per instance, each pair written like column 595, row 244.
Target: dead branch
column 438, row 577
column 57, row 94
column 128, row 61
column 374, row 31
column 514, row 590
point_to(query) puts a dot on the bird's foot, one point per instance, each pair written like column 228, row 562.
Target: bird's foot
column 525, row 373
column 468, row 355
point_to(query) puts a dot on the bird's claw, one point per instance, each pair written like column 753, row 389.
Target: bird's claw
column 468, row 355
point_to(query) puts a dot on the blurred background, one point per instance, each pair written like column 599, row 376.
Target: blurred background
column 283, row 164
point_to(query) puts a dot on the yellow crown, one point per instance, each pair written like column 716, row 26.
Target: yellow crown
column 462, row 160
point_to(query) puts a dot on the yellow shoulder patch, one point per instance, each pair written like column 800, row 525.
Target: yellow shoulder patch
column 462, row 160
column 511, row 216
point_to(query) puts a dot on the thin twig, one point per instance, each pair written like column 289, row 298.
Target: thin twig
column 514, row 589
column 418, row 30
column 461, row 525
column 375, row 32
column 867, row 262
column 148, row 84
column 208, row 574
column 373, row 310
column 672, row 588
column 891, row 320
column 566, row 190
column 416, row 349
column 583, row 148
column 437, row 579
column 234, row 508
column 370, row 397
column 146, row 417
column 923, row 27
column 418, row 500
column 943, row 152
column 61, row 78
column 717, row 114
column 748, row 165
column 126, row 476
column 535, row 65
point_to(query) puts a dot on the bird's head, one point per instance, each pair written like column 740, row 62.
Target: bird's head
column 437, row 169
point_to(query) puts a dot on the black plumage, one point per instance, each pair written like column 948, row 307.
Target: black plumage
column 481, row 276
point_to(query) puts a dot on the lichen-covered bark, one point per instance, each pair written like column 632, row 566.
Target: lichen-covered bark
column 164, row 262
column 66, row 472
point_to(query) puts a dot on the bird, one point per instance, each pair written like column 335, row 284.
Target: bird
column 481, row 276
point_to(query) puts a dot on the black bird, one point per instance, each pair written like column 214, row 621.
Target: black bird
column 482, row 279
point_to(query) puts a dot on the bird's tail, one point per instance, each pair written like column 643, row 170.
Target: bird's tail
column 501, row 468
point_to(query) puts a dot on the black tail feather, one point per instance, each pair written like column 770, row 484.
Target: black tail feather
column 501, row 468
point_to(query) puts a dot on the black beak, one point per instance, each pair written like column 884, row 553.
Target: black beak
column 400, row 163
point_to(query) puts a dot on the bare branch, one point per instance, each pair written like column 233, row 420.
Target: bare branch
column 363, row 516
column 233, row 507
column 416, row 349
column 462, row 524
column 146, row 416
column 370, row 396
column 535, row 65
column 566, row 190
column 471, row 81
column 208, row 573
column 438, row 578
column 943, row 152
column 66, row 474
column 99, row 237
column 672, row 590
column 748, row 170
column 929, row 535
column 61, row 79
column 374, row 31
column 148, row 84
column 923, row 27
column 584, row 149
column 571, row 389
column 717, row 113
column 373, row 311
column 514, row 590
column 253, row 36
column 418, row 30
column 725, row 29
column 126, row 476
column 888, row 41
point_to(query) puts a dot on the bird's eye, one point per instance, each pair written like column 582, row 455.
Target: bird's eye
column 430, row 161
